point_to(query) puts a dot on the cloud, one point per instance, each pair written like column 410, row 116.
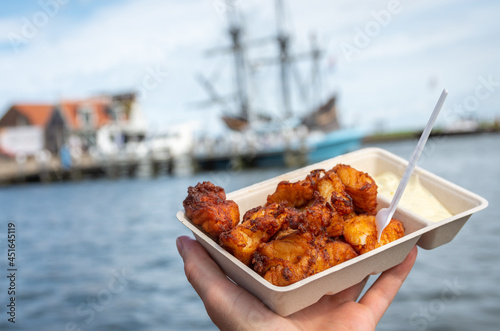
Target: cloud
column 7, row 25
column 111, row 49
column 115, row 46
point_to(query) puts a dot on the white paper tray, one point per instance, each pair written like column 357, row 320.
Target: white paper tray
column 374, row 161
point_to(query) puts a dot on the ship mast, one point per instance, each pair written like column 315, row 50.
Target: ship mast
column 236, row 32
column 316, row 82
column 284, row 58
column 285, row 61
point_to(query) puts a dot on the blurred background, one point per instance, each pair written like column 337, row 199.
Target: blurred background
column 109, row 110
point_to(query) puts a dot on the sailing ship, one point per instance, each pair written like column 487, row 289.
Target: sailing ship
column 263, row 139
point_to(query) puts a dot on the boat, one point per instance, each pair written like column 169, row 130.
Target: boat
column 257, row 139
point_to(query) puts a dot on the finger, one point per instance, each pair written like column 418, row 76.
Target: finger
column 201, row 271
column 227, row 304
column 382, row 292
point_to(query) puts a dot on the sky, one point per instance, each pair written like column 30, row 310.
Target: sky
column 387, row 61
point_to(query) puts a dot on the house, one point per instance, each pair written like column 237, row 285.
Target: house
column 23, row 128
column 111, row 119
column 105, row 123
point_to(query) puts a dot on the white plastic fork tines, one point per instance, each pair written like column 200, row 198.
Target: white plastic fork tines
column 384, row 215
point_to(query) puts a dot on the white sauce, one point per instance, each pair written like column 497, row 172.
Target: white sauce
column 415, row 198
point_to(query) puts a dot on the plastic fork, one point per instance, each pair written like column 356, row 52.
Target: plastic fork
column 384, row 215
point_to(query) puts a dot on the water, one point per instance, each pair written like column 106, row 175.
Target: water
column 100, row 255
column 455, row 287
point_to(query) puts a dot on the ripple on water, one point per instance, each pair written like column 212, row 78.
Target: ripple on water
column 74, row 237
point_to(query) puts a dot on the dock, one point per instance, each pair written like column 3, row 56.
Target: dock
column 51, row 169
column 21, row 170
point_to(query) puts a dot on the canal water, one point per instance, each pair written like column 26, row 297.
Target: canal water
column 101, row 255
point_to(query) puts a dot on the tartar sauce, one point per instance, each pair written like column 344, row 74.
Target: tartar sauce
column 416, row 197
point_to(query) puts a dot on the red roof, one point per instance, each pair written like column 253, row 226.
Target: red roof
column 98, row 107
column 68, row 110
column 40, row 114
column 36, row 114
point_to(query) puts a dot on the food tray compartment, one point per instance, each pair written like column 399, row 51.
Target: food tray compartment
column 289, row 299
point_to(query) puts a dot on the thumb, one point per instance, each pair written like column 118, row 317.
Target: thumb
column 229, row 306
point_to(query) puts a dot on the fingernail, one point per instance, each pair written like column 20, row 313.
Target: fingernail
column 180, row 248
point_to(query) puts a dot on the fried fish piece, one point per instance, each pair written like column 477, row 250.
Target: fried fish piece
column 318, row 218
column 361, row 233
column 349, row 216
column 360, row 186
column 206, row 205
column 295, row 255
column 339, row 251
column 330, row 253
column 334, row 192
column 286, row 259
column 257, row 227
column 260, row 211
column 296, row 194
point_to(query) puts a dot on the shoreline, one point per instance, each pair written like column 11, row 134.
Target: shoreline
column 409, row 135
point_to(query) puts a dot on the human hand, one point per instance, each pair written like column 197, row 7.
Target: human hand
column 232, row 308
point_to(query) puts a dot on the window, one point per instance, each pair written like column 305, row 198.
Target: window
column 86, row 117
column 21, row 120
